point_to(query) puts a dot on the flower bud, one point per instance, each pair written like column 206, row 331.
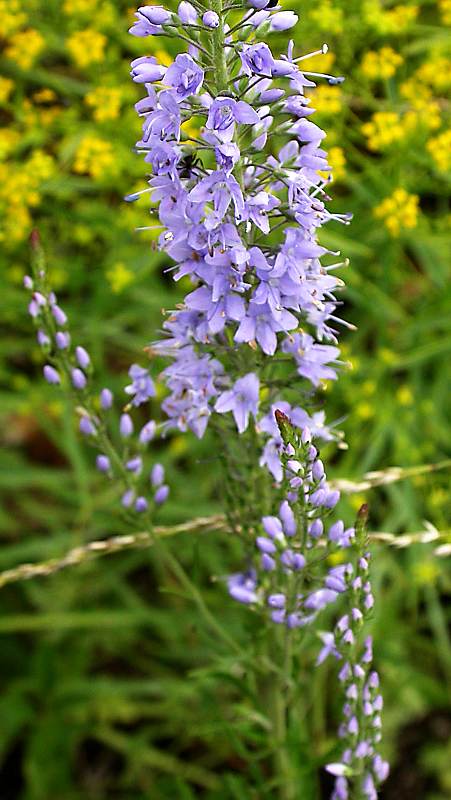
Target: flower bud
column 161, row 495
column 82, row 357
column 106, row 399
column 210, row 19
column 78, row 379
column 103, row 463
column 51, row 375
column 126, row 426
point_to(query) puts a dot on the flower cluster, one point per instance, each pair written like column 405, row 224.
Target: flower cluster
column 238, row 221
column 72, row 365
column 287, row 577
column 361, row 765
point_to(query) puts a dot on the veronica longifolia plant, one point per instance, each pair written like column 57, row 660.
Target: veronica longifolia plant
column 240, row 202
column 239, row 179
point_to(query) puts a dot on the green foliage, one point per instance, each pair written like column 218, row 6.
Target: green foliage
column 115, row 684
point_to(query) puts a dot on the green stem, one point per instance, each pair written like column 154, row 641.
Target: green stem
column 219, row 53
column 278, row 712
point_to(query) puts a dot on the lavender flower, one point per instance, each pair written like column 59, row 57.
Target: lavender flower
column 142, row 386
column 241, row 400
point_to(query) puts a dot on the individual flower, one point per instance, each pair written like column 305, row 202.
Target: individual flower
column 241, row 400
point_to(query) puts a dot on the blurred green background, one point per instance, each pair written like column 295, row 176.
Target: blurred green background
column 112, row 686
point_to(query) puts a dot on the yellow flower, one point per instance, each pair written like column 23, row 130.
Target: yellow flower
column 163, row 57
column 394, row 20
column 45, row 95
column 398, row 211
column 327, row 18
column 41, row 166
column 337, row 161
column 445, row 11
column 319, row 63
column 404, row 395
column 119, row 277
column 6, row 87
column 87, row 47
column 74, row 7
column 24, row 47
column 426, row 572
column 364, row 410
column 94, row 157
column 105, row 102
column 381, row 64
column 440, row 150
column 384, row 129
column 436, row 73
column 327, row 99
column 8, row 141
column 12, row 16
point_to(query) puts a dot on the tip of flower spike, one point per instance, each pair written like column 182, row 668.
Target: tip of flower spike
column 335, row 81
column 285, row 427
column 35, row 239
column 325, row 49
column 363, row 512
column 130, row 198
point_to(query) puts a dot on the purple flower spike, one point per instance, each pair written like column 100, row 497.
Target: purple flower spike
column 51, row 375
column 242, row 400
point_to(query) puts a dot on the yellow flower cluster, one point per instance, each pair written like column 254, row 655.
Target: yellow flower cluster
column 399, row 211
column 75, row 7
column 386, row 21
column 87, row 47
column 440, row 149
column 8, row 141
column 105, row 103
column 6, row 87
column 327, row 99
column 327, row 17
column 337, row 161
column 381, row 64
column 384, row 128
column 20, row 191
column 25, row 47
column 94, row 157
column 12, row 16
column 435, row 73
column 119, row 277
column 445, row 11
